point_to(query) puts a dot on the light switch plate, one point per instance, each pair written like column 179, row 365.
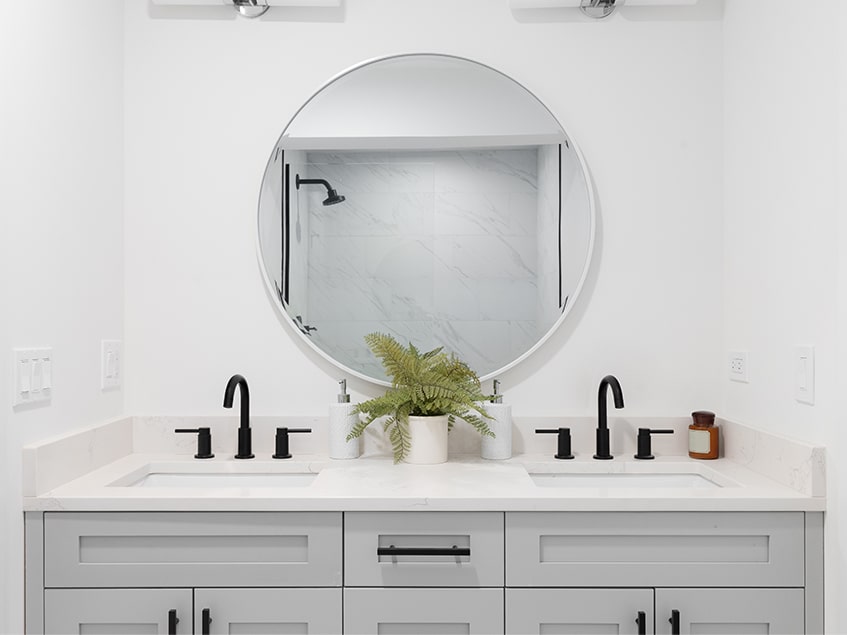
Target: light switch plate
column 32, row 375
column 111, row 371
column 804, row 374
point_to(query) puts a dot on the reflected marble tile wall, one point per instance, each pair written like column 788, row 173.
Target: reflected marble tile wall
column 437, row 248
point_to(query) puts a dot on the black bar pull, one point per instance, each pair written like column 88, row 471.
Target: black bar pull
column 674, row 622
column 173, row 620
column 207, row 622
column 391, row 550
column 641, row 620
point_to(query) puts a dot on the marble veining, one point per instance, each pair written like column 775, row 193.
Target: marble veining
column 798, row 465
column 424, row 238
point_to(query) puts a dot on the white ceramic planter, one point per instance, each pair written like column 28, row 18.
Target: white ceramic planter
column 428, row 437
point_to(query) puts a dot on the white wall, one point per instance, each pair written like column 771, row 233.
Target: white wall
column 782, row 230
column 61, row 168
column 207, row 98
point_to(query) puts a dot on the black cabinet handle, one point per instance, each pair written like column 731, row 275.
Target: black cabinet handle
column 173, row 620
column 674, row 621
column 423, row 551
column 642, row 623
column 207, row 622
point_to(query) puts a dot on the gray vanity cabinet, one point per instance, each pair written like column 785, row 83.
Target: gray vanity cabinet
column 678, row 611
column 267, row 611
column 118, row 611
column 423, row 611
column 423, row 573
column 730, row 611
column 175, row 573
column 683, row 562
column 579, row 611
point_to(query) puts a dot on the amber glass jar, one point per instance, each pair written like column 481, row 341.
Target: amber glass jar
column 703, row 436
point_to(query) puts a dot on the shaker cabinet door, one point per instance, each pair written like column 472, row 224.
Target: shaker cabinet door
column 730, row 611
column 423, row 611
column 579, row 611
column 117, row 612
column 267, row 611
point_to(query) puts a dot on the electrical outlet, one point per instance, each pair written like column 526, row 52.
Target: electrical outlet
column 738, row 366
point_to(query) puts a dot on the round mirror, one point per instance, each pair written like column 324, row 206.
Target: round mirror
column 432, row 198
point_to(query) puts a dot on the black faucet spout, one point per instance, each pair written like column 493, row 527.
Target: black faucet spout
column 609, row 381
column 245, row 440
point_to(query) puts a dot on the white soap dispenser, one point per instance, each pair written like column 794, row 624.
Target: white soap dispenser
column 342, row 418
column 500, row 446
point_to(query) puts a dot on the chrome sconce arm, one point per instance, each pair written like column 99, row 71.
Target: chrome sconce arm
column 599, row 9
column 596, row 9
column 250, row 8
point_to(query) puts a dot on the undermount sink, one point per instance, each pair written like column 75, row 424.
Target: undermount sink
column 163, row 479
column 218, row 479
column 622, row 479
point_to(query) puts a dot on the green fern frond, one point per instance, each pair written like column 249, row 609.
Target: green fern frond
column 422, row 384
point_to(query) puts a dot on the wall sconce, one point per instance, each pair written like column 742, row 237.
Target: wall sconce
column 597, row 9
column 251, row 8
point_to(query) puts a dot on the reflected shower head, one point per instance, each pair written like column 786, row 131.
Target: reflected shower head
column 332, row 197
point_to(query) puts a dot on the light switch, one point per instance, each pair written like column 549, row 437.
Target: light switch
column 35, row 382
column 24, row 380
column 46, row 373
column 110, row 364
column 33, row 376
column 804, row 374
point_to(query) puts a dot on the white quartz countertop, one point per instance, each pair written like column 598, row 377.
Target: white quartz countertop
column 464, row 483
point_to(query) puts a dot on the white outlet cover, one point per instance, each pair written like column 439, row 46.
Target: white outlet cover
column 738, row 366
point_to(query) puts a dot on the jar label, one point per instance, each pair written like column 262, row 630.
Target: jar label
column 699, row 441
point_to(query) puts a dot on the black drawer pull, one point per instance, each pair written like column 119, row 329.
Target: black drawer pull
column 642, row 623
column 391, row 550
column 173, row 620
column 674, row 621
column 206, row 625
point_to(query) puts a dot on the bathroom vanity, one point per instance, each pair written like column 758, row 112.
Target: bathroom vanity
column 123, row 541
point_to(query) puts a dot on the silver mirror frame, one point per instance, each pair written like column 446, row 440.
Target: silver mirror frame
column 293, row 327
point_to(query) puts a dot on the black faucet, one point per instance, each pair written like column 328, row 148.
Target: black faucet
column 602, row 424
column 245, row 439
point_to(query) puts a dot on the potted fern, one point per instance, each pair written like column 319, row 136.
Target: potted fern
column 429, row 391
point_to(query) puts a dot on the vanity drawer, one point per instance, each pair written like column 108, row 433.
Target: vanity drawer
column 137, row 549
column 423, row 549
column 763, row 549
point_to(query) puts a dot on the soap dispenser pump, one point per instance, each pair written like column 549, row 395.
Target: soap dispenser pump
column 342, row 418
column 500, row 446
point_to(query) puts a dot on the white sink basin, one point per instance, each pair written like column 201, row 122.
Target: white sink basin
column 622, row 479
column 223, row 479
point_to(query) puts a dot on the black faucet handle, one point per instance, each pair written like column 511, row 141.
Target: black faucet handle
column 204, row 441
column 564, row 445
column 645, row 451
column 282, row 451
